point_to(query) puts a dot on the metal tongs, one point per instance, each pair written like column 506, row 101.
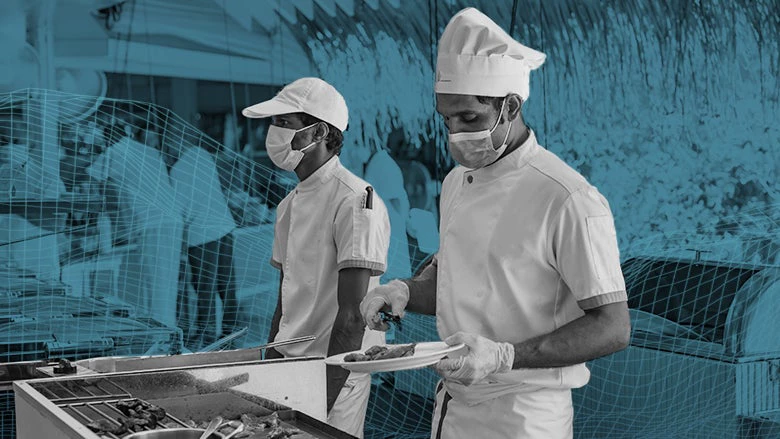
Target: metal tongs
column 392, row 318
column 288, row 341
column 212, row 427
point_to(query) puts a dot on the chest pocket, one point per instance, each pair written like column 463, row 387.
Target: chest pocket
column 603, row 246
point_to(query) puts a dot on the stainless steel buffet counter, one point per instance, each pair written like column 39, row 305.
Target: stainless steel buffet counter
column 190, row 388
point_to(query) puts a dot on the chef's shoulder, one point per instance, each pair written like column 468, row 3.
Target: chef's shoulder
column 558, row 181
column 284, row 205
column 352, row 191
column 455, row 175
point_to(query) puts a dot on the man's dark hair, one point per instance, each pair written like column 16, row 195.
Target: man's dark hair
column 494, row 100
column 335, row 137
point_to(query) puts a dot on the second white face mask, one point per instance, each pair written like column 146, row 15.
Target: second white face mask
column 278, row 143
column 475, row 149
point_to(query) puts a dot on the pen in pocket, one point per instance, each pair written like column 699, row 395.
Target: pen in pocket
column 369, row 197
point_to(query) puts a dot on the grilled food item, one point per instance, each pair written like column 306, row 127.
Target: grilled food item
column 140, row 414
column 357, row 357
column 104, row 426
column 137, row 408
column 261, row 422
column 283, row 433
column 373, row 351
column 382, row 353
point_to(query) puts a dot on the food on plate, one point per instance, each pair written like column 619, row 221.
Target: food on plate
column 357, row 357
column 382, row 353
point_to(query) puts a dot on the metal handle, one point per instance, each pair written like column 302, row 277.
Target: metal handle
column 212, row 427
column 238, row 429
column 288, row 341
column 224, row 340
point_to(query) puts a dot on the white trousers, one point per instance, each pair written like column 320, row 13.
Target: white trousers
column 349, row 411
column 537, row 413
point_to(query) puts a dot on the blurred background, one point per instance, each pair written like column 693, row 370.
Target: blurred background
column 670, row 108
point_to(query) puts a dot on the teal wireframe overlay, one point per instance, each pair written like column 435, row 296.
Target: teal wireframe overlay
column 669, row 108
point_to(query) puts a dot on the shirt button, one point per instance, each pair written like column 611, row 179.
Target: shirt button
column 469, row 179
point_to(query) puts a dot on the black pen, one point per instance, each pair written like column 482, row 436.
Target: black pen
column 369, row 197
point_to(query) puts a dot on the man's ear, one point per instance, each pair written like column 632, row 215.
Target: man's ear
column 322, row 131
column 514, row 103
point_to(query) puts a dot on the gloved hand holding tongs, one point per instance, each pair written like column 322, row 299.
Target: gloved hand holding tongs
column 385, row 303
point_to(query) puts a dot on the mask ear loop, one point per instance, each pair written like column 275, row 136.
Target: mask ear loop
column 312, row 143
column 496, row 125
column 500, row 112
column 507, row 134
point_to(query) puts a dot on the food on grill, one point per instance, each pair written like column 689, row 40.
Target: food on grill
column 104, row 426
column 382, row 353
column 139, row 408
column 140, row 414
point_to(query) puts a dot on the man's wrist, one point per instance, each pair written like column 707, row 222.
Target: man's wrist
column 506, row 357
column 403, row 285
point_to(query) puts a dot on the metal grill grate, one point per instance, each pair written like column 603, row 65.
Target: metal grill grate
column 87, row 412
column 81, row 390
column 88, row 400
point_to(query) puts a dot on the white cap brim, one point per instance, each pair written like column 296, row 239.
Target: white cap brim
column 272, row 107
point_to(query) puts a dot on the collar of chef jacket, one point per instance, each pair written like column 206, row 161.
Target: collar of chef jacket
column 321, row 175
column 513, row 161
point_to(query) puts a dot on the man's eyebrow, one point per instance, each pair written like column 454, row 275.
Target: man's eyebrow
column 464, row 112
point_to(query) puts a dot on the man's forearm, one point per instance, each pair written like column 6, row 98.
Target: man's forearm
column 346, row 336
column 273, row 353
column 596, row 334
column 422, row 291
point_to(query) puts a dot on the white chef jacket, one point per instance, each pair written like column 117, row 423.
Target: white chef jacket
column 153, row 221
column 526, row 245
column 322, row 227
column 199, row 194
column 145, row 192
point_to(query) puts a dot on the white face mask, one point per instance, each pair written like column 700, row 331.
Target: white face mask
column 475, row 149
column 278, row 143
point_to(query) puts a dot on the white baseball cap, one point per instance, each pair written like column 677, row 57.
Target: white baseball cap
column 477, row 57
column 312, row 96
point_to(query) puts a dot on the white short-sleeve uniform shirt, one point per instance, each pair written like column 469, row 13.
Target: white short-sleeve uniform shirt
column 143, row 183
column 199, row 194
column 322, row 226
column 526, row 245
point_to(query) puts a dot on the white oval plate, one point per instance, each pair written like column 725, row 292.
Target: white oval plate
column 425, row 354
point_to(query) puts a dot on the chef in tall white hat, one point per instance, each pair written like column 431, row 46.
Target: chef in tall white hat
column 528, row 274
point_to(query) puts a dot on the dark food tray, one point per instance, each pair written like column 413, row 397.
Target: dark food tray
column 309, row 427
column 204, row 408
column 307, row 424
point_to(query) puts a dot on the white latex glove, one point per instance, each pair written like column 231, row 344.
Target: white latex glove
column 395, row 294
column 485, row 357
